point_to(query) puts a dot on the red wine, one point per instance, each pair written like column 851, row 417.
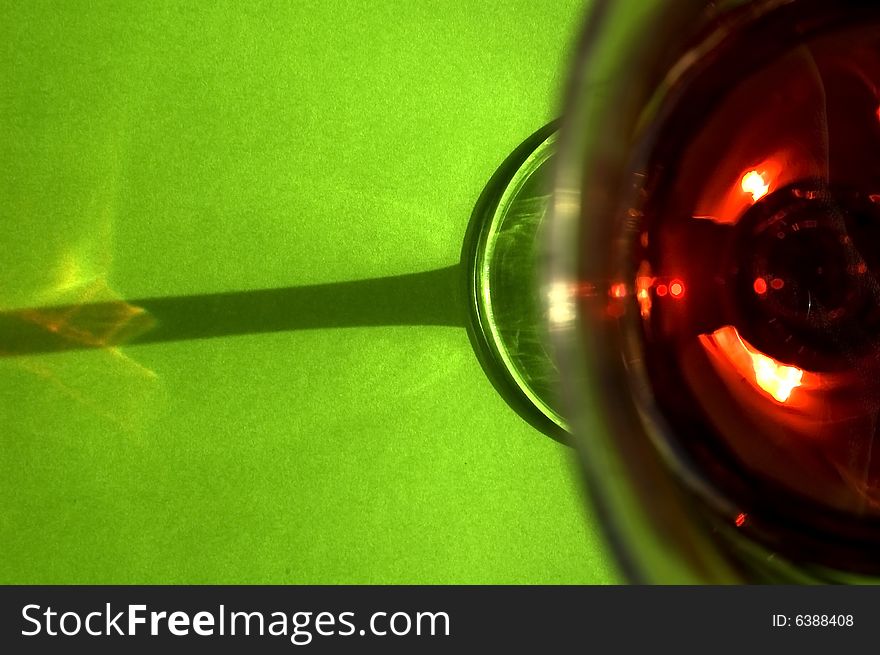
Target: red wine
column 756, row 259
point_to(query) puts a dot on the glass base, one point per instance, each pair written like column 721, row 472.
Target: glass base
column 500, row 258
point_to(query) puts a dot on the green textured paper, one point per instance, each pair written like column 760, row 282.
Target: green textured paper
column 172, row 149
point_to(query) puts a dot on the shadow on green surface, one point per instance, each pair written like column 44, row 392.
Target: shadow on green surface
column 427, row 298
column 442, row 297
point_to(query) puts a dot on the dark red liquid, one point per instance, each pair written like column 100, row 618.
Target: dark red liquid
column 763, row 209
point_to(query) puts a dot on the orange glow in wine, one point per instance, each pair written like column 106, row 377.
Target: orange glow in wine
column 643, row 294
column 774, row 378
column 618, row 290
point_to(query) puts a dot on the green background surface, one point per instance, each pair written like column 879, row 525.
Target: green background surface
column 171, row 149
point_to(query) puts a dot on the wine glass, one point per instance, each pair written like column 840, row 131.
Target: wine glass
column 712, row 285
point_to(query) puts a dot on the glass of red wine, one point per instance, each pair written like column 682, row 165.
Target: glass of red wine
column 712, row 286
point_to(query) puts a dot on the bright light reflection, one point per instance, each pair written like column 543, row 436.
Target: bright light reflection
column 754, row 183
column 560, row 304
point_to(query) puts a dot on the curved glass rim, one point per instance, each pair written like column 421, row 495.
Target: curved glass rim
column 542, row 153
column 497, row 203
